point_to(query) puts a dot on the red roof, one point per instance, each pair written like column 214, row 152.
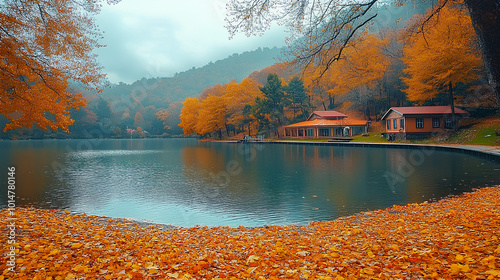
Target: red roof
column 325, row 122
column 425, row 110
column 328, row 114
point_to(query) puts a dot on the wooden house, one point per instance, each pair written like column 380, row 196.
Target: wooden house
column 326, row 124
column 419, row 122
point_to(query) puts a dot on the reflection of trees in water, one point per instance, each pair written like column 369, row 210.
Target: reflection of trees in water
column 217, row 173
column 34, row 176
column 287, row 182
column 336, row 175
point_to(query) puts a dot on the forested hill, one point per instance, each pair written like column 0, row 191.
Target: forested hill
column 153, row 104
column 191, row 82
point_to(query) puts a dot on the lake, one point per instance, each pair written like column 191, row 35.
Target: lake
column 186, row 182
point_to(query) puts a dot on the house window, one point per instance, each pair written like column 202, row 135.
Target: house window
column 402, row 123
column 448, row 122
column 388, row 124
column 395, row 123
column 324, row 132
column 435, row 122
column 420, row 123
column 338, row 131
column 310, row 132
column 301, row 133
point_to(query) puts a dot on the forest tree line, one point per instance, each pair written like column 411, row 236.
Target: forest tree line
column 429, row 61
column 149, row 107
column 419, row 58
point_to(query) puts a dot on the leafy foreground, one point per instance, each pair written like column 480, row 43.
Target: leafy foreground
column 455, row 238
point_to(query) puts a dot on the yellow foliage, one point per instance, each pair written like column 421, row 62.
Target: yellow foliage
column 212, row 115
column 434, row 245
column 362, row 63
column 220, row 105
column 443, row 53
column 239, row 95
column 42, row 47
column 189, row 115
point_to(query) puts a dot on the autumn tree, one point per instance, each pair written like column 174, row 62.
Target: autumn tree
column 441, row 56
column 189, row 115
column 212, row 116
column 217, row 90
column 138, row 120
column 43, row 44
column 163, row 115
column 325, row 27
column 362, row 64
column 237, row 97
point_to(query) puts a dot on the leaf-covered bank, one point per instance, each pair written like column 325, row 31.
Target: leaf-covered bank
column 455, row 238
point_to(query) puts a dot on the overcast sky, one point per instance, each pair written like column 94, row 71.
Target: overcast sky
column 157, row 38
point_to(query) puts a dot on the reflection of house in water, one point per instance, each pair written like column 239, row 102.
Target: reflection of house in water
column 324, row 124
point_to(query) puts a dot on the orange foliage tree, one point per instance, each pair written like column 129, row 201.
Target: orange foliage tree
column 163, row 116
column 441, row 56
column 212, row 115
column 221, row 108
column 189, row 115
column 325, row 27
column 43, row 44
column 362, row 63
column 238, row 96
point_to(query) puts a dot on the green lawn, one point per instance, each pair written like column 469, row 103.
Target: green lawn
column 479, row 134
column 487, row 136
column 372, row 138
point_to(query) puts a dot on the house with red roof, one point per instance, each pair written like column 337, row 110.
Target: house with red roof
column 326, row 124
column 419, row 121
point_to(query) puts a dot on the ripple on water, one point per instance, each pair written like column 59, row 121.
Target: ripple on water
column 109, row 153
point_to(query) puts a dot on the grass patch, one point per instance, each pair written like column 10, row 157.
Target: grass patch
column 487, row 136
column 371, row 138
column 482, row 133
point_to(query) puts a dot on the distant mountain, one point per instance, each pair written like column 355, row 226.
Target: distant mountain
column 191, row 82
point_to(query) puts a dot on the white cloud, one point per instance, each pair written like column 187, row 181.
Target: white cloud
column 157, row 38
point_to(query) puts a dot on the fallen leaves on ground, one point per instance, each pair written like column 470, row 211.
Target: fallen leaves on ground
column 455, row 238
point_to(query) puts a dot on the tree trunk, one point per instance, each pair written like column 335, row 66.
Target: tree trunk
column 367, row 112
column 332, row 102
column 452, row 104
column 485, row 15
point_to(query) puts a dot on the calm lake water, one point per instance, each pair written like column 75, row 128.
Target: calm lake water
column 186, row 182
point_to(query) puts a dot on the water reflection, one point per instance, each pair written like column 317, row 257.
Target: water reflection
column 186, row 182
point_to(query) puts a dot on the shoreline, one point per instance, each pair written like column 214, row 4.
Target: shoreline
column 490, row 152
column 453, row 238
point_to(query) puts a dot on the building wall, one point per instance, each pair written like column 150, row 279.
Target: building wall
column 332, row 131
column 412, row 124
column 390, row 118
